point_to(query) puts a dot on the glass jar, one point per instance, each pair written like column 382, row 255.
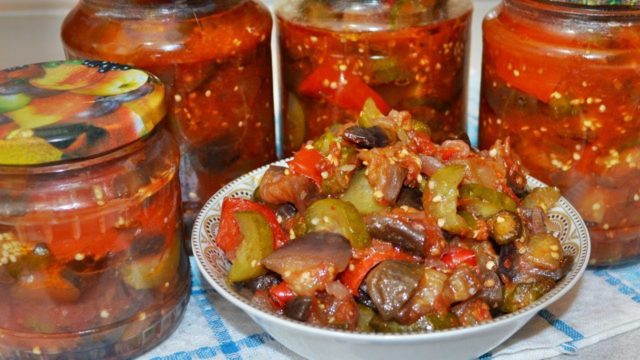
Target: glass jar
column 93, row 264
column 214, row 58
column 561, row 81
column 405, row 55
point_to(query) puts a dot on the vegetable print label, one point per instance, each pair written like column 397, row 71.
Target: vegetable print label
column 75, row 109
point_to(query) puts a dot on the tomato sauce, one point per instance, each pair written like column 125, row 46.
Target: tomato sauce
column 562, row 83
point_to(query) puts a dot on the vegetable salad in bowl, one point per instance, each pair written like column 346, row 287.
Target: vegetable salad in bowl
column 375, row 228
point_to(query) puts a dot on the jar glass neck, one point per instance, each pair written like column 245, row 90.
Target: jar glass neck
column 370, row 15
column 581, row 9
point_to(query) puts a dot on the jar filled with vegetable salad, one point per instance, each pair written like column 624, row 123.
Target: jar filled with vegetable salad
column 215, row 59
column 408, row 55
column 93, row 264
column 560, row 80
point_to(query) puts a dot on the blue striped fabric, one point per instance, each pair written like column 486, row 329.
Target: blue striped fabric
column 615, row 276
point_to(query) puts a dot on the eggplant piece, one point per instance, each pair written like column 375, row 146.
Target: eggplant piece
column 299, row 308
column 262, row 282
column 509, row 160
column 146, row 245
column 533, row 219
column 472, row 312
column 462, row 284
column 127, row 184
column 427, row 299
column 88, row 272
column 286, row 211
column 397, row 232
column 278, row 186
column 38, row 285
column 309, row 262
column 490, row 284
column 366, row 137
column 462, row 136
column 410, row 197
column 539, row 258
column 13, row 204
column 334, row 311
column 363, row 297
column 430, row 164
column 391, row 284
column 385, row 175
column 491, row 289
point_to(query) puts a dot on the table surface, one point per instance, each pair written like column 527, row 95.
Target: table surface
column 31, row 29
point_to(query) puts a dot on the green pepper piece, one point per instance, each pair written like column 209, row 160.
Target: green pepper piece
column 478, row 231
column 295, row 121
column 561, row 107
column 505, row 227
column 543, row 197
column 364, row 318
column 323, row 142
column 385, row 70
column 441, row 198
column 153, row 271
column 424, row 324
column 344, row 160
column 369, row 114
column 378, row 324
column 485, row 202
column 340, row 217
column 403, row 9
column 360, row 194
column 518, row 296
column 256, row 244
column 544, row 251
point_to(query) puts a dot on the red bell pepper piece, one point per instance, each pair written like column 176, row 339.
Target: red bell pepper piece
column 367, row 259
column 229, row 235
column 458, row 255
column 341, row 88
column 281, row 294
column 310, row 163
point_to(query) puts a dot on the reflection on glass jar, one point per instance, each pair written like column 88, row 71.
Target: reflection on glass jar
column 215, row 59
column 561, row 81
column 405, row 55
column 92, row 264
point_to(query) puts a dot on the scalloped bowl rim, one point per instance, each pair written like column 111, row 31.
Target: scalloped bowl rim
column 562, row 287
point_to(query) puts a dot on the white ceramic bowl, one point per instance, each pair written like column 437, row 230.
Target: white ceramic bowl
column 315, row 342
